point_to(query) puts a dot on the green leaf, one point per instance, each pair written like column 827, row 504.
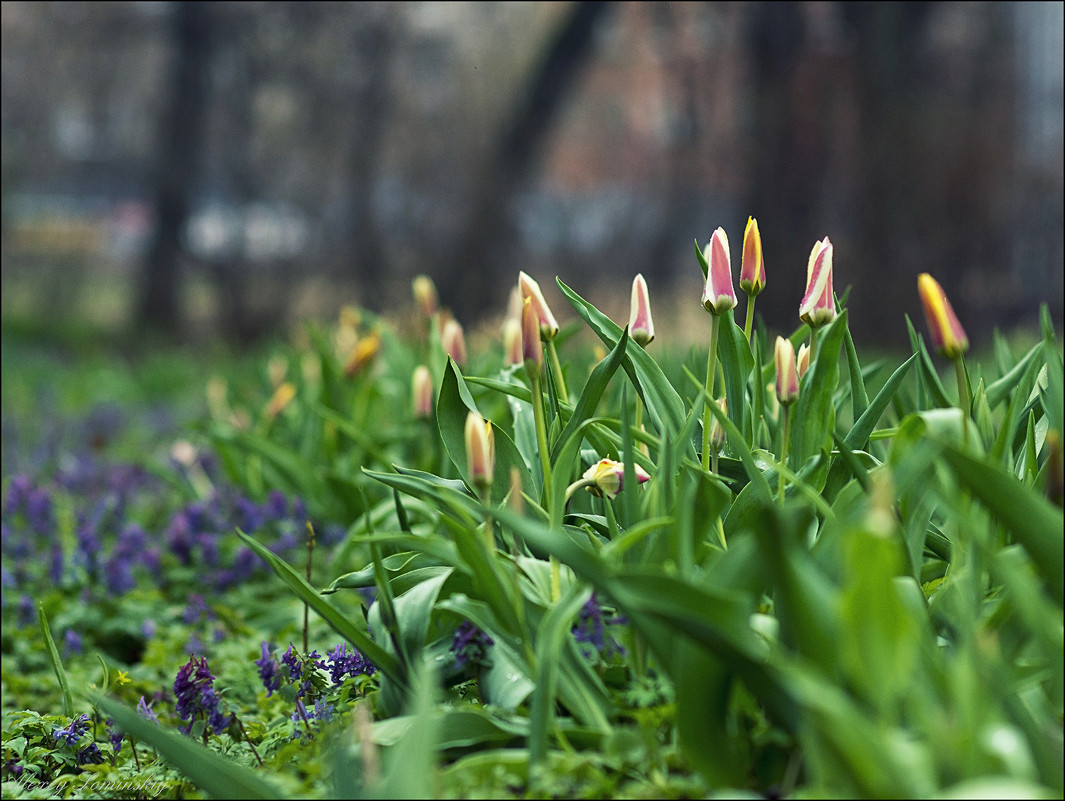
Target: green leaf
column 858, row 437
column 591, row 394
column 859, row 398
column 813, row 415
column 1004, row 387
column 452, row 406
column 928, row 377
column 1032, row 520
column 57, row 663
column 734, row 353
column 664, row 406
column 211, row 772
column 550, row 638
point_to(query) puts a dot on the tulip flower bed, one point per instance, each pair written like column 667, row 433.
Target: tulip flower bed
column 386, row 565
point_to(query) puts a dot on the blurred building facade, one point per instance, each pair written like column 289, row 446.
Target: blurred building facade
column 339, row 148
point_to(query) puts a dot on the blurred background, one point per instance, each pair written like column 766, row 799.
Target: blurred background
column 231, row 168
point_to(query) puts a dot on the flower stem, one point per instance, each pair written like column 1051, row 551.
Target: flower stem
column 541, row 435
column 784, row 453
column 556, row 371
column 963, row 399
column 715, row 323
column 545, row 464
column 750, row 317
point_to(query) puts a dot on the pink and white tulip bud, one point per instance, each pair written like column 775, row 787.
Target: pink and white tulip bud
column 804, row 359
column 818, row 305
column 641, row 326
column 530, row 290
column 609, row 476
column 531, row 346
column 425, row 295
column 787, row 372
column 717, row 431
column 948, row 336
column 512, row 351
column 480, row 450
column 718, row 294
column 422, row 392
column 752, row 268
column 454, row 342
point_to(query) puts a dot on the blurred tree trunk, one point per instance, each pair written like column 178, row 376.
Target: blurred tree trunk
column 370, row 106
column 159, row 304
column 487, row 233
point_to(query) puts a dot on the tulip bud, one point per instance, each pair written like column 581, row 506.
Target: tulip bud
column 818, row 306
column 787, row 372
column 804, row 359
column 512, row 351
column 480, row 450
column 641, row 327
column 608, row 477
column 350, row 317
column 282, row 396
column 364, row 352
column 277, row 367
column 425, row 295
column 530, row 290
column 752, row 268
column 454, row 342
column 422, row 392
column 531, row 346
column 717, row 431
column 718, row 294
column 948, row 336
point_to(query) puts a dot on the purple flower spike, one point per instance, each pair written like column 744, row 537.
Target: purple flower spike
column 268, row 670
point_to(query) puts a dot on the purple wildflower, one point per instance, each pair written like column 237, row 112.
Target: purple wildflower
column 196, row 609
column 40, row 514
column 590, row 627
column 194, row 690
column 179, row 537
column 276, row 505
column 268, row 670
column 470, row 645
column 27, row 612
column 56, row 566
column 145, row 711
column 71, row 643
column 72, row 733
column 341, row 664
column 90, row 755
column 294, row 665
column 87, row 554
column 115, row 735
column 323, row 711
column 252, row 517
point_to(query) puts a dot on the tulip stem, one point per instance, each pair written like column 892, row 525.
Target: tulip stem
column 963, row 399
column 784, row 453
column 541, row 434
column 750, row 317
column 556, row 371
column 711, row 368
column 545, row 464
column 813, row 345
